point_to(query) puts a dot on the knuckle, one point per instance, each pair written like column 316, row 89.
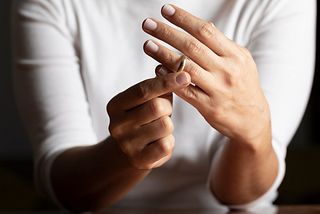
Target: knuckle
column 166, row 85
column 157, row 107
column 127, row 148
column 231, row 78
column 194, row 47
column 182, row 18
column 194, row 71
column 241, row 59
column 125, row 142
column 205, row 30
column 165, row 32
column 191, row 94
column 231, row 74
column 165, row 147
column 166, row 56
column 110, row 107
column 142, row 90
column 166, row 124
column 115, row 130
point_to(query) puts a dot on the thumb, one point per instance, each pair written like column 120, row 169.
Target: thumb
column 180, row 79
column 149, row 89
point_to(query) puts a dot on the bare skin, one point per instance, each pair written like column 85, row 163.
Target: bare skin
column 227, row 94
column 95, row 177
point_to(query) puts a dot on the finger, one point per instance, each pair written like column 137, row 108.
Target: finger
column 138, row 138
column 147, row 90
column 133, row 139
column 158, row 152
column 185, row 43
column 171, row 60
column 162, row 70
column 200, row 29
column 155, row 130
column 149, row 111
column 192, row 94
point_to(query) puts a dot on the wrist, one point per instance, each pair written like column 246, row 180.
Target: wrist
column 260, row 141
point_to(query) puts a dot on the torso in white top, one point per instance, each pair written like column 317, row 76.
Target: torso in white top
column 81, row 53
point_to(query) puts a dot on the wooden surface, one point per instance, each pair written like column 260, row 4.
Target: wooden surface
column 275, row 210
column 301, row 209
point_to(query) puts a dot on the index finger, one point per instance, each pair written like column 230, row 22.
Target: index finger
column 200, row 29
column 147, row 90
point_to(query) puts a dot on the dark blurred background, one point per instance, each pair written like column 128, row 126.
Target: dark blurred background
column 300, row 186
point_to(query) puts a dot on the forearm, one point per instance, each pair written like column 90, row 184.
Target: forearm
column 94, row 177
column 244, row 173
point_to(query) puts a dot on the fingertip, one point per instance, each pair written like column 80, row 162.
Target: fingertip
column 168, row 10
column 183, row 79
column 150, row 47
column 162, row 70
column 149, row 25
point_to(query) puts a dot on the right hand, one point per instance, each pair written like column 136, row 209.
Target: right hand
column 140, row 119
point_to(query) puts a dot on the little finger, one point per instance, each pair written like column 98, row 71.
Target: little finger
column 157, row 153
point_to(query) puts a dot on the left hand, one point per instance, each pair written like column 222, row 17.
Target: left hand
column 227, row 91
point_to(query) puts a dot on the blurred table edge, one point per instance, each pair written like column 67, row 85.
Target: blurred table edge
column 283, row 209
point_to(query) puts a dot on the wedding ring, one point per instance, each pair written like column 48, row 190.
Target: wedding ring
column 182, row 63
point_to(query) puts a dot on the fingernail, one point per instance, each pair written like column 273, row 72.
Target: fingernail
column 151, row 47
column 162, row 71
column 182, row 79
column 150, row 25
column 212, row 24
column 168, row 10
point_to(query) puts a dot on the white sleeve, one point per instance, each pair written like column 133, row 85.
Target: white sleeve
column 283, row 47
column 48, row 84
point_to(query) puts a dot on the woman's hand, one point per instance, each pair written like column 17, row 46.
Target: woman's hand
column 227, row 91
column 140, row 120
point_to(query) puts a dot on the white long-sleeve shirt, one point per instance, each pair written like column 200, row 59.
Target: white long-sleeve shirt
column 68, row 63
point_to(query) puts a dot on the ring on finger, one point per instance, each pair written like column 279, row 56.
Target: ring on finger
column 182, row 63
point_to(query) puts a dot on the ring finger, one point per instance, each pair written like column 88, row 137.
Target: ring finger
column 171, row 60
